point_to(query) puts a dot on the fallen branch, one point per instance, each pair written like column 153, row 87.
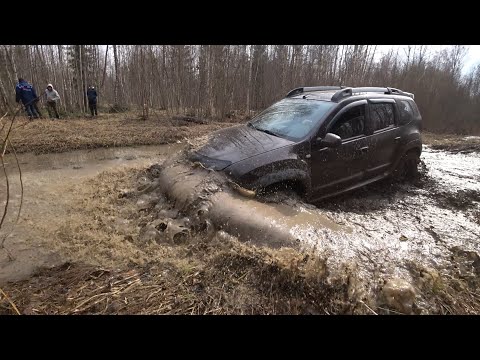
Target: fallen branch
column 5, row 210
column 2, row 154
column 21, row 197
column 10, row 301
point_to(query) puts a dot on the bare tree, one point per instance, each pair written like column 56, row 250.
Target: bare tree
column 214, row 80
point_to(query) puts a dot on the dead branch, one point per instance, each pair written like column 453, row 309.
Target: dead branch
column 10, row 301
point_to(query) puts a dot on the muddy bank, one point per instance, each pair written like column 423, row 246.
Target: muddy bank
column 453, row 143
column 47, row 136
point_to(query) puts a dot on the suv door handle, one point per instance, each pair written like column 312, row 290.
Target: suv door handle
column 397, row 139
column 364, row 149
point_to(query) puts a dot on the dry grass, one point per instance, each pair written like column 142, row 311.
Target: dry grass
column 452, row 291
column 214, row 278
column 108, row 130
column 452, row 142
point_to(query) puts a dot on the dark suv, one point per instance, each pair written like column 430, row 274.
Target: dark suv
column 322, row 140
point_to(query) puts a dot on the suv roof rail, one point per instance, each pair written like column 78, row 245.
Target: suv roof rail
column 385, row 90
column 401, row 92
column 301, row 90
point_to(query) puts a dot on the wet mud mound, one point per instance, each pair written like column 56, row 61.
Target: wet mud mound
column 211, row 201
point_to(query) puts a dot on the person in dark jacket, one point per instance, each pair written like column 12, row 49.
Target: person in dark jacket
column 92, row 100
column 27, row 95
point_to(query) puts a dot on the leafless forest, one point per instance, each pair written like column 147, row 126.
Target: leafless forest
column 215, row 81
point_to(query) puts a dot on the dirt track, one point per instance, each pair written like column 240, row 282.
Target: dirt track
column 87, row 214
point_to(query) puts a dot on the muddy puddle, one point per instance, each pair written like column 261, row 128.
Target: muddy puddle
column 48, row 181
column 389, row 234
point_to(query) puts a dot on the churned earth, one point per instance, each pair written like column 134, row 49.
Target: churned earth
column 138, row 230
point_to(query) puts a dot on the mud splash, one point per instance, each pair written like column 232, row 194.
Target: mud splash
column 206, row 196
column 380, row 230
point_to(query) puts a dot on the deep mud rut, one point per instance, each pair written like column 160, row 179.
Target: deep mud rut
column 412, row 247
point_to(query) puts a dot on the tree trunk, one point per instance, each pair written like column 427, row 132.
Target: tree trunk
column 249, row 80
column 116, row 99
column 104, row 69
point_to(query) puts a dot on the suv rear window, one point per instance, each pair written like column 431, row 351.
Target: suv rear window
column 406, row 112
column 382, row 115
column 415, row 108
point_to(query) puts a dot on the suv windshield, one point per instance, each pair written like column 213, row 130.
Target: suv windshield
column 291, row 118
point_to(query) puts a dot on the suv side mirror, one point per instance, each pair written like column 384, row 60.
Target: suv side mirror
column 330, row 140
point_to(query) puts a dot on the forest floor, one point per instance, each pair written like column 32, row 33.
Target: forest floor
column 83, row 243
column 106, row 130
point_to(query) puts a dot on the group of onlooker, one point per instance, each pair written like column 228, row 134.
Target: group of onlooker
column 25, row 93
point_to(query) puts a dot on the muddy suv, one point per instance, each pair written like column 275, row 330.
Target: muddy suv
column 322, row 141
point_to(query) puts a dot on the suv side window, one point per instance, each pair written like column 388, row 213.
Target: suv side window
column 382, row 115
column 351, row 123
column 406, row 112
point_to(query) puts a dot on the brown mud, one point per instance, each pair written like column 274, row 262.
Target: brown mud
column 124, row 231
column 453, row 143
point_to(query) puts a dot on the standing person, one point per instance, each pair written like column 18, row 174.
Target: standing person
column 52, row 98
column 92, row 100
column 25, row 93
column 35, row 105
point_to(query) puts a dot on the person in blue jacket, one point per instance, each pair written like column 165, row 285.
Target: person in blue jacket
column 27, row 95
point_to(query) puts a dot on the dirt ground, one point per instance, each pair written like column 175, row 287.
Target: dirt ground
column 93, row 236
column 453, row 143
column 107, row 130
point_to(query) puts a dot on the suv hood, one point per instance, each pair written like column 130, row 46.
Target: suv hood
column 237, row 143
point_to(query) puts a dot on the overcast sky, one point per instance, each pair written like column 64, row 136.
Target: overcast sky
column 471, row 59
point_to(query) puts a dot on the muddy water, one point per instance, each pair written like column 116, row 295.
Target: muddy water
column 380, row 230
column 455, row 171
column 397, row 227
column 394, row 224
column 47, row 181
column 269, row 223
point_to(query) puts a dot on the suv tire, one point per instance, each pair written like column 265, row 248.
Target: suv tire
column 407, row 168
